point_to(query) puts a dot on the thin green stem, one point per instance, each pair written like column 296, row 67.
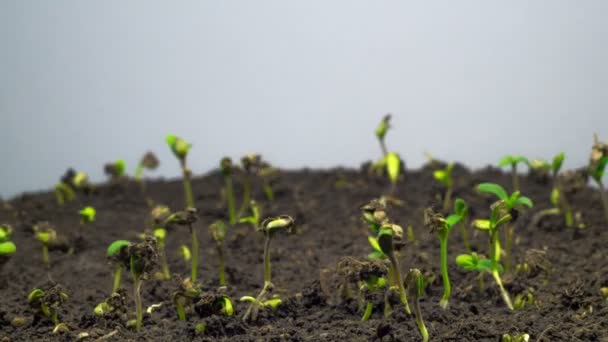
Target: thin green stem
column 268, row 191
column 138, row 303
column 181, row 314
column 383, row 148
column 45, row 256
column 509, row 232
column 368, row 311
column 246, row 197
column 187, row 187
column 419, row 322
column 604, row 197
column 402, row 293
column 447, row 289
column 447, row 199
column 220, row 254
column 495, row 241
column 230, row 198
column 267, row 260
column 139, row 172
column 503, row 292
column 163, row 261
column 514, row 176
column 117, row 276
column 194, row 255
column 465, row 234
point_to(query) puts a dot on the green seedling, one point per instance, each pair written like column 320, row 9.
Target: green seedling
column 252, row 164
column 148, row 161
column 512, row 161
column 140, row 259
column 374, row 214
column 392, row 164
column 7, row 247
column 188, row 218
column 369, row 277
column 381, row 131
column 184, row 252
column 184, row 296
column 180, row 149
column 116, row 253
column 269, row 227
column 523, row 337
column 226, row 169
column 415, row 283
column 386, row 235
column 473, row 262
column 268, row 175
column 445, row 177
column 47, row 303
column 159, row 214
column 64, row 193
column 503, row 212
column 521, row 300
column 87, row 216
column 46, row 234
column 254, row 218
column 604, row 293
column 215, row 304
column 597, row 167
column 539, row 168
column 462, row 209
column 443, row 226
column 558, row 194
column 217, row 230
column 115, row 170
column 115, row 305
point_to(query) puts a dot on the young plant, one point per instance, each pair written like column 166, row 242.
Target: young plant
column 184, row 296
column 87, row 216
column 523, row 337
column 180, row 149
column 7, row 247
column 415, row 282
column 215, row 303
column 381, row 131
column 597, row 167
column 369, row 277
column 46, row 234
column 47, row 302
column 503, row 212
column 188, row 218
column 512, row 161
column 226, row 169
column 268, row 175
column 159, row 215
column 462, row 209
column 252, row 164
column 64, row 193
column 269, row 227
column 115, row 170
column 445, row 177
column 116, row 254
column 140, row 259
column 473, row 262
column 148, row 161
column 217, row 230
column 375, row 215
column 436, row 222
column 386, row 235
column 114, row 307
column 254, row 218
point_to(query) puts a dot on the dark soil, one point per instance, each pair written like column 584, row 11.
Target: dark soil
column 568, row 305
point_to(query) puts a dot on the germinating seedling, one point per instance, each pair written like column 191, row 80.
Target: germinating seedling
column 116, row 254
column 381, row 131
column 462, row 209
column 445, row 177
column 180, row 149
column 443, row 226
column 369, row 277
column 415, row 283
column 217, row 230
column 252, row 165
column 269, row 228
column 597, row 167
column 184, row 296
column 47, row 302
column 87, row 216
column 512, row 161
column 254, row 218
column 7, row 247
column 188, row 218
column 64, row 193
column 386, row 234
column 148, row 161
column 116, row 169
column 159, row 215
column 226, row 169
column 46, row 234
column 214, row 303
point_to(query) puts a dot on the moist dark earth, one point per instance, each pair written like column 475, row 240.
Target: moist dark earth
column 325, row 204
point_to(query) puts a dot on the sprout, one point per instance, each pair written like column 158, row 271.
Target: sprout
column 443, row 226
column 7, row 248
column 252, row 165
column 116, row 253
column 226, row 169
column 188, row 218
column 180, row 149
column 46, row 234
column 381, row 130
column 47, row 302
column 116, row 170
column 597, row 167
column 184, row 296
column 503, row 212
column 269, row 227
column 63, row 193
column 87, row 215
column 513, row 161
column 369, row 277
column 159, row 214
column 113, row 307
column 415, row 282
column 254, row 218
column 445, row 177
column 217, row 230
column 523, row 337
column 214, row 304
column 148, row 161
column 386, row 235
column 461, row 208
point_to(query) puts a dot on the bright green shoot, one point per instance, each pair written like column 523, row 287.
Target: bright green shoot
column 64, row 193
column 443, row 226
column 184, row 296
column 226, row 169
column 462, row 209
column 87, row 215
column 445, row 177
column 115, row 253
column 252, row 165
column 381, row 130
column 597, row 173
column 7, row 248
column 180, row 149
column 160, row 234
column 254, row 218
column 47, row 302
column 148, row 161
column 415, row 282
column 116, row 170
column 385, row 240
column 217, row 230
column 472, row 262
column 46, row 234
column 512, row 161
column 269, row 228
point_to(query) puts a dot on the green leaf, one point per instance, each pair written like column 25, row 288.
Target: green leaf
column 184, row 251
column 160, row 234
column 452, row 220
column 178, row 146
column 7, row 248
column 467, row 261
column 382, row 127
column 525, row 201
column 116, row 246
column 87, row 214
column 599, row 169
column 555, row 197
column 393, row 166
column 376, row 255
column 489, row 265
column 226, row 304
column 481, row 224
column 3, row 235
column 34, row 295
column 248, row 299
column 374, row 242
column 272, row 303
column 520, row 159
column 505, row 161
column 120, row 166
column 460, row 207
column 493, row 188
column 557, row 162
column 441, row 176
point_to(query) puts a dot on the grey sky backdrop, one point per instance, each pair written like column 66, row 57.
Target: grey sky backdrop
column 303, row 82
